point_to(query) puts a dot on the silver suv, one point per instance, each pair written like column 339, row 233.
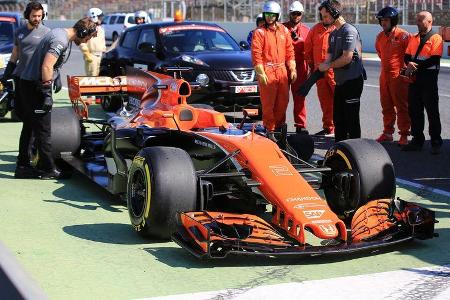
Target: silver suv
column 115, row 23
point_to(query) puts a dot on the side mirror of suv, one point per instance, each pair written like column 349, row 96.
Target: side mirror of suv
column 146, row 47
column 244, row 45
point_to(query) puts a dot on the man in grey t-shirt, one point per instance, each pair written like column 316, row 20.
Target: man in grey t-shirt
column 27, row 38
column 344, row 56
column 36, row 85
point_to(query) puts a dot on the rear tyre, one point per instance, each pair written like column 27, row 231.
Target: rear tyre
column 161, row 182
column 361, row 171
column 111, row 103
column 303, row 145
column 66, row 131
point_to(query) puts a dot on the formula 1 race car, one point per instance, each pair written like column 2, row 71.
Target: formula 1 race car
column 217, row 188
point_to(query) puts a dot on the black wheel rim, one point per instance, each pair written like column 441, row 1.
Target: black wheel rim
column 138, row 193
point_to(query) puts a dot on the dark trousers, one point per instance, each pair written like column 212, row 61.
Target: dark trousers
column 24, row 111
column 346, row 109
column 39, row 124
column 424, row 94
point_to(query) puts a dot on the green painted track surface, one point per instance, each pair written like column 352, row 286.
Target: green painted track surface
column 77, row 244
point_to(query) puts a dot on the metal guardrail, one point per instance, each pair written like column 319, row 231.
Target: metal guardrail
column 15, row 283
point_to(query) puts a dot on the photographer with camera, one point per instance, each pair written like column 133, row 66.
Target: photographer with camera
column 423, row 56
column 298, row 34
column 36, row 86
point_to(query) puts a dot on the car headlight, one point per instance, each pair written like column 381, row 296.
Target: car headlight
column 192, row 60
column 202, row 79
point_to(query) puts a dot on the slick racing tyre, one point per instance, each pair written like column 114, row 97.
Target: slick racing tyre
column 66, row 131
column 302, row 144
column 161, row 182
column 111, row 103
column 361, row 171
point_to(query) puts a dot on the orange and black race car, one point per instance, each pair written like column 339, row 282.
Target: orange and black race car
column 219, row 188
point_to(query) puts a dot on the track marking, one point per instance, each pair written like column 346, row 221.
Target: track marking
column 418, row 283
column 423, row 187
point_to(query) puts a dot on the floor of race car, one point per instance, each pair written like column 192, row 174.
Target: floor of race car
column 77, row 243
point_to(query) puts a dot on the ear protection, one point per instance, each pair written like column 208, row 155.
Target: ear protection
column 335, row 13
column 83, row 32
column 30, row 6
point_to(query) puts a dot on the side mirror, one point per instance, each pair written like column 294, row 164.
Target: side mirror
column 146, row 47
column 244, row 45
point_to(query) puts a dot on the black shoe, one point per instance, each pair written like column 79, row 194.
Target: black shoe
column 435, row 149
column 412, row 146
column 301, row 130
column 26, row 172
column 54, row 174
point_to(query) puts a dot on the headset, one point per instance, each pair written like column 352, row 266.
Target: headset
column 30, row 6
column 83, row 32
column 334, row 12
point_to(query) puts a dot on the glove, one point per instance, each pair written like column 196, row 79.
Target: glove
column 372, row 219
column 292, row 70
column 9, row 70
column 57, row 85
column 46, row 92
column 307, row 85
column 263, row 79
column 88, row 57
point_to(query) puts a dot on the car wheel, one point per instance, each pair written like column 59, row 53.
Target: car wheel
column 361, row 171
column 302, row 144
column 161, row 182
column 114, row 36
column 111, row 103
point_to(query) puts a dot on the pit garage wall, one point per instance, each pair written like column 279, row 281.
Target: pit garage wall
column 239, row 31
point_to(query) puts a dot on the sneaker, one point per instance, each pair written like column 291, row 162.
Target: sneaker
column 412, row 146
column 26, row 172
column 301, row 130
column 385, row 137
column 403, row 141
column 54, row 174
column 326, row 132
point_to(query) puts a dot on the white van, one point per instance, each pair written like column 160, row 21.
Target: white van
column 115, row 23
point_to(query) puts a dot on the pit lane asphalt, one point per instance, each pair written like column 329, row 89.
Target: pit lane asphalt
column 77, row 243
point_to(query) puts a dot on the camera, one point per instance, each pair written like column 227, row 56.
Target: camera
column 294, row 36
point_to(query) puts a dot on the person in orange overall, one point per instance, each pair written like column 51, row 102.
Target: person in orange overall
column 316, row 48
column 299, row 33
column 272, row 53
column 391, row 45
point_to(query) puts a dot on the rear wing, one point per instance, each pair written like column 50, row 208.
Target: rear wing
column 93, row 85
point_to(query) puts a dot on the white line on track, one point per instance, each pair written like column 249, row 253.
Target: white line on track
column 421, row 283
column 423, row 187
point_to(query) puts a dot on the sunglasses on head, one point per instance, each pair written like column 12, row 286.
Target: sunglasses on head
column 296, row 13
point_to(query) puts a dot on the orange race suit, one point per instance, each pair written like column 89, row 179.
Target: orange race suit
column 391, row 49
column 300, row 32
column 272, row 49
column 316, row 49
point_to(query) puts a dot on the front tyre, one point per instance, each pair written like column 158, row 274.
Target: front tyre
column 161, row 182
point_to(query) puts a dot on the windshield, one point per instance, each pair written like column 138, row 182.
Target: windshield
column 6, row 33
column 197, row 40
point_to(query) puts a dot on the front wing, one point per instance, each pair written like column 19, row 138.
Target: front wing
column 209, row 235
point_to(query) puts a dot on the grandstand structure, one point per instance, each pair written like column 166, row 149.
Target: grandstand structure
column 357, row 11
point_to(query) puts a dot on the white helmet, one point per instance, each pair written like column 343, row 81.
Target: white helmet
column 94, row 13
column 141, row 14
column 45, row 12
column 271, row 7
column 296, row 6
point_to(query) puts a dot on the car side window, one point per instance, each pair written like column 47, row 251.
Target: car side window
column 106, row 20
column 147, row 36
column 113, row 20
column 130, row 19
column 130, row 39
column 120, row 20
